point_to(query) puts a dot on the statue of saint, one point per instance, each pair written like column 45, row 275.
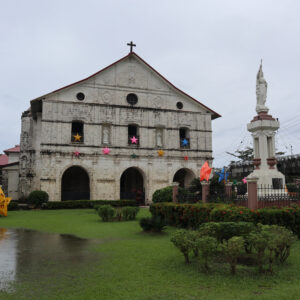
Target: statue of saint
column 105, row 134
column 261, row 91
column 159, row 137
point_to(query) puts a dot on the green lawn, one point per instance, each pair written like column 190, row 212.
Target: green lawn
column 135, row 265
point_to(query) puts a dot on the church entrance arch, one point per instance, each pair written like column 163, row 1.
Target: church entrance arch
column 184, row 177
column 75, row 184
column 132, row 185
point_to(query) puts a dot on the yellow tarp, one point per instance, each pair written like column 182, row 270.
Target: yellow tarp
column 4, row 201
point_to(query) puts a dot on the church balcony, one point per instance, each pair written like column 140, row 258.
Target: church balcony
column 132, row 141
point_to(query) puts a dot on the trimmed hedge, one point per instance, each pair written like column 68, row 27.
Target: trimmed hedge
column 193, row 215
column 37, row 198
column 87, row 204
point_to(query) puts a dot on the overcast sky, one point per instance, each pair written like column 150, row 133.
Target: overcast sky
column 209, row 49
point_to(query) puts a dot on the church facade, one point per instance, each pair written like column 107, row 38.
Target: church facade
column 121, row 133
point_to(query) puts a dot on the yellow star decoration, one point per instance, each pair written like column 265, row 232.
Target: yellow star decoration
column 77, row 137
column 161, row 152
column 4, row 201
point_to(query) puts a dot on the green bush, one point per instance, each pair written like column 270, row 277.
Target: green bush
column 180, row 238
column 37, row 198
column 106, row 212
column 129, row 213
column 193, row 215
column 232, row 250
column 207, row 246
column 74, row 204
column 154, row 224
column 163, row 195
column 13, row 205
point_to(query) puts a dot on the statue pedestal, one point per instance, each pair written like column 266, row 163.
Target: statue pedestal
column 263, row 128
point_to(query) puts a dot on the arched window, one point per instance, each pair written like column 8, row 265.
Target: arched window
column 133, row 135
column 184, row 137
column 77, row 133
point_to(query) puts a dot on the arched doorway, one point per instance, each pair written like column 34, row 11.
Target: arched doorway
column 184, row 177
column 75, row 184
column 132, row 185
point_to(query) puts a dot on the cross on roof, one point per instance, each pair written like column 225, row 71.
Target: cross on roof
column 131, row 44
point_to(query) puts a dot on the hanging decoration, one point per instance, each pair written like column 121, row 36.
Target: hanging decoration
column 244, row 180
column 184, row 142
column 134, row 140
column 205, row 172
column 76, row 153
column 186, row 157
column 4, row 201
column 223, row 175
column 106, row 150
column 133, row 155
column 77, row 137
column 161, row 152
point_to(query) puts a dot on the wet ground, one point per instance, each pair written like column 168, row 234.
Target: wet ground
column 44, row 260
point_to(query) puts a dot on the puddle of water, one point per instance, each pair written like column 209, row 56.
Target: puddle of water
column 41, row 258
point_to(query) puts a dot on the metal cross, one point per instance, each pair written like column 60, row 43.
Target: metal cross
column 131, row 44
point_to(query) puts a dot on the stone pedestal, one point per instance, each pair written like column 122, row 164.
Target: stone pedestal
column 263, row 128
column 175, row 191
column 205, row 191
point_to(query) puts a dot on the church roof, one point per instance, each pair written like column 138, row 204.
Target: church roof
column 3, row 159
column 14, row 149
column 214, row 114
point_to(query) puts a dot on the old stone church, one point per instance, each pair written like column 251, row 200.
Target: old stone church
column 121, row 133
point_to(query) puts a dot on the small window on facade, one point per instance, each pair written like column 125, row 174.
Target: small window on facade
column 132, row 99
column 159, row 137
column 184, row 138
column 80, row 96
column 133, row 135
column 106, row 134
column 179, row 105
column 77, row 132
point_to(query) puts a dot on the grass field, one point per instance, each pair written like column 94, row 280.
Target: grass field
column 136, row 265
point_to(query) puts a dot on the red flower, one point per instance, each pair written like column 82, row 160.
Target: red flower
column 224, row 212
column 241, row 212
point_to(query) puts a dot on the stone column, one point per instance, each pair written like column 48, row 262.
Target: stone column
column 205, row 190
column 175, row 191
column 252, row 192
column 228, row 189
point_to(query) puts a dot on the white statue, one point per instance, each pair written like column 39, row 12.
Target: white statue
column 105, row 135
column 261, row 91
column 159, row 141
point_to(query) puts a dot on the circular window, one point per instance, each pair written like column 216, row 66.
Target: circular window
column 80, row 96
column 179, row 105
column 132, row 99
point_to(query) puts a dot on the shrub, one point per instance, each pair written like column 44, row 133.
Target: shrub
column 37, row 198
column 155, row 224
column 193, row 215
column 207, row 245
column 129, row 213
column 73, row 204
column 180, row 239
column 13, row 205
column 163, row 195
column 106, row 212
column 232, row 250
